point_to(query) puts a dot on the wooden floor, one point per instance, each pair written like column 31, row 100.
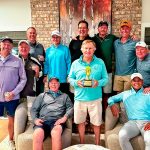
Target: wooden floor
column 3, row 129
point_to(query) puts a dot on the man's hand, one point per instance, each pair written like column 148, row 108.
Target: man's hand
column 79, row 82
column 114, row 110
column 95, row 83
column 36, row 69
column 61, row 120
column 134, row 37
column 39, row 122
column 147, row 90
column 147, row 126
column 44, row 79
column 9, row 96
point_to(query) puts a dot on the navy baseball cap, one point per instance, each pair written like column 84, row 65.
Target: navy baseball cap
column 53, row 78
column 101, row 23
column 7, row 39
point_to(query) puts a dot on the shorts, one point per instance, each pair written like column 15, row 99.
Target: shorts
column 93, row 108
column 9, row 106
column 47, row 127
column 108, row 87
column 122, row 83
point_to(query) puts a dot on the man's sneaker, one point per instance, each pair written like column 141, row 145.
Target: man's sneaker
column 12, row 145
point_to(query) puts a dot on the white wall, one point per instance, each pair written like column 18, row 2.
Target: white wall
column 15, row 15
column 145, row 16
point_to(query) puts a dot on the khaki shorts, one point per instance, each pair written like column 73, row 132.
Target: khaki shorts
column 108, row 87
column 93, row 108
column 122, row 83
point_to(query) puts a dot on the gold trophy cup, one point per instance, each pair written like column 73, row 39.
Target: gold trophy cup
column 87, row 82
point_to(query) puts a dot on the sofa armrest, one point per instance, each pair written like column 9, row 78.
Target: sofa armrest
column 20, row 119
column 110, row 120
column 69, row 123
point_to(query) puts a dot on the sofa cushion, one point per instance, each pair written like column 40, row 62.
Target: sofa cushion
column 25, row 139
column 123, row 115
column 112, row 139
column 30, row 100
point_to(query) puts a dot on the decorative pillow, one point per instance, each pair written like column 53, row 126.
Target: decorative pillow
column 123, row 118
column 30, row 100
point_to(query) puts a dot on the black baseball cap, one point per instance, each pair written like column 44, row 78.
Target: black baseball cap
column 101, row 23
column 7, row 39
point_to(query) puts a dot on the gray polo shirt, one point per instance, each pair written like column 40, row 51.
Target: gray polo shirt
column 125, row 57
column 143, row 67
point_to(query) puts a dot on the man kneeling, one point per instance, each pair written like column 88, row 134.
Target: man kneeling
column 49, row 112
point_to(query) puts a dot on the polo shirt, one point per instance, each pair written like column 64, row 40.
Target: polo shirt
column 125, row 57
column 143, row 67
column 105, row 49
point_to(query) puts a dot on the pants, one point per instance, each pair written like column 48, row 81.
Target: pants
column 130, row 130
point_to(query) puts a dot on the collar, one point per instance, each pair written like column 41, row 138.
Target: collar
column 56, row 46
column 86, row 38
column 97, row 35
column 128, row 40
column 6, row 58
column 85, row 63
column 33, row 44
column 29, row 56
column 139, row 91
column 55, row 94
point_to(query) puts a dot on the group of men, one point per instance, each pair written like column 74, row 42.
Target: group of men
column 87, row 64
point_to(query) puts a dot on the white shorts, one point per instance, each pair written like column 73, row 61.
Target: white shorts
column 93, row 108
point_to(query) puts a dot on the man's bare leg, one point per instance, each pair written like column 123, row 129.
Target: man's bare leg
column 56, row 137
column 97, row 134
column 11, row 127
column 38, row 137
column 81, row 129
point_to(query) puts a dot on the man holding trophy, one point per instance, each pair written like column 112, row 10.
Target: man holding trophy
column 88, row 75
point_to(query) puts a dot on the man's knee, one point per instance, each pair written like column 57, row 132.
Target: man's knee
column 56, row 131
column 123, row 136
column 38, row 135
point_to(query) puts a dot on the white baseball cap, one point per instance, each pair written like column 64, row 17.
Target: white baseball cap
column 136, row 75
column 23, row 41
column 55, row 32
column 141, row 44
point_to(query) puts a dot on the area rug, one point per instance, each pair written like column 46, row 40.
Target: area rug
column 4, row 145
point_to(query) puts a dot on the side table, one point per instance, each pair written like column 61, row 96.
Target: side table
column 85, row 147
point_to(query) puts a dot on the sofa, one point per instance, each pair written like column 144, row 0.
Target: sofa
column 23, row 131
column 112, row 128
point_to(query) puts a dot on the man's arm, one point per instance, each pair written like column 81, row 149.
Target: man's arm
column 22, row 81
column 104, row 80
column 68, row 60
column 69, row 112
column 111, row 102
column 72, row 78
column 35, row 109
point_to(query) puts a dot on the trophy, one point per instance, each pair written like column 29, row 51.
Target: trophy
column 87, row 82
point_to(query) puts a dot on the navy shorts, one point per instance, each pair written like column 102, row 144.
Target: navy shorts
column 47, row 127
column 10, row 107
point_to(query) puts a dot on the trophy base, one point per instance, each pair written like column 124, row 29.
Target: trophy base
column 87, row 83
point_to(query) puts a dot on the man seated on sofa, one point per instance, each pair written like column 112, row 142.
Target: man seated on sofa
column 49, row 112
column 137, row 106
